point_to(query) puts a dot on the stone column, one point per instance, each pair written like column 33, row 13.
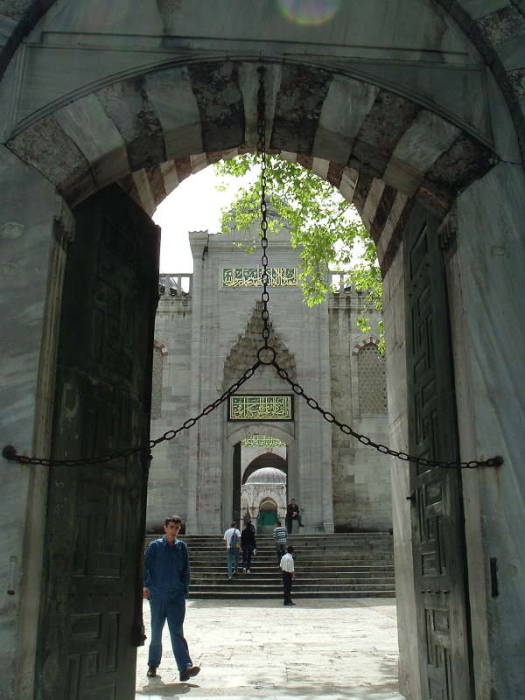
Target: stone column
column 487, row 292
column 199, row 241
column 325, row 429
column 34, row 230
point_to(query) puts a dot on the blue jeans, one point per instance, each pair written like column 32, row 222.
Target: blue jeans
column 173, row 610
column 231, row 560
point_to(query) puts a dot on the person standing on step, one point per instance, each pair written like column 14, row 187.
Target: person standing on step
column 248, row 546
column 293, row 515
column 288, row 569
column 280, row 535
column 166, row 583
column 232, row 537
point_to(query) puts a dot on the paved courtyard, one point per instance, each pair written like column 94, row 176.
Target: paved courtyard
column 328, row 649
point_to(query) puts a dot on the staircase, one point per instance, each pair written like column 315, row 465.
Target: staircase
column 327, row 566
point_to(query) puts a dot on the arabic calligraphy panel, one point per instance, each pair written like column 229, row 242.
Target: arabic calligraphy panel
column 273, row 407
column 251, row 277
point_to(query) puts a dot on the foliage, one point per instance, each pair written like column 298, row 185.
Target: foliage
column 323, row 225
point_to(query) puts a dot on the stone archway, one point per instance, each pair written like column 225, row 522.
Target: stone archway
column 404, row 140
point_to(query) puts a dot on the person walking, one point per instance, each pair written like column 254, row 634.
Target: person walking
column 248, row 546
column 293, row 514
column 166, row 583
column 288, row 569
column 280, row 535
column 232, row 537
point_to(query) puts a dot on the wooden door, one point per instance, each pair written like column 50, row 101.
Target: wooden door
column 438, row 529
column 91, row 619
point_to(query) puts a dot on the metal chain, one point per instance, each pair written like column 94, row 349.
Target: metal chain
column 368, row 442
column 266, row 355
column 10, row 453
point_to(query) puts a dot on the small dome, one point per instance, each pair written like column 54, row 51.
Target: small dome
column 267, row 475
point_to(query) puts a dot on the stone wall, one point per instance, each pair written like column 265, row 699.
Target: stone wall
column 319, row 346
column 170, row 401
column 34, row 235
column 361, row 481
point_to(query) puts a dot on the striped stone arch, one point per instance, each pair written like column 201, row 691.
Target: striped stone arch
column 151, row 131
column 496, row 30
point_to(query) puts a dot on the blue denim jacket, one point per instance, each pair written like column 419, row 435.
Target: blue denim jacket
column 166, row 569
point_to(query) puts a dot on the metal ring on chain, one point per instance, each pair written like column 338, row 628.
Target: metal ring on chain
column 266, row 355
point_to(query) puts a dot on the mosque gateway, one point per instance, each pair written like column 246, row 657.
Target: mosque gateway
column 207, row 332
column 415, row 111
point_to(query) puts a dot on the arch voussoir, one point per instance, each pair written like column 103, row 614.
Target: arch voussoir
column 154, row 130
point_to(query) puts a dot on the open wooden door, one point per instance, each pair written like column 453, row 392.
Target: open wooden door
column 91, row 620
column 437, row 506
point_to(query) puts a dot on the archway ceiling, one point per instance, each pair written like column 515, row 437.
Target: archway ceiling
column 151, row 131
column 434, row 32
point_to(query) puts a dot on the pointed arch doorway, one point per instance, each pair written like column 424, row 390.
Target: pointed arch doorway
column 248, row 449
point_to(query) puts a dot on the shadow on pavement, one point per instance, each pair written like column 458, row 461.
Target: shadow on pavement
column 157, row 689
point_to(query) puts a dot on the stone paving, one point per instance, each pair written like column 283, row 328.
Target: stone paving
column 342, row 649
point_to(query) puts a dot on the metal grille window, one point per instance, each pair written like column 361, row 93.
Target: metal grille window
column 372, row 380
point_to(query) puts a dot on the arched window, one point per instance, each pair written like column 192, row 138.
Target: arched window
column 372, row 380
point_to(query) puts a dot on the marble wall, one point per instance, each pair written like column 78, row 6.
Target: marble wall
column 314, row 344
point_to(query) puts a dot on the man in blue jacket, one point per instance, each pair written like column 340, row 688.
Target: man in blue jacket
column 166, row 583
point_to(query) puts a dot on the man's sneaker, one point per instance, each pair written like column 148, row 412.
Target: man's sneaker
column 190, row 672
column 152, row 672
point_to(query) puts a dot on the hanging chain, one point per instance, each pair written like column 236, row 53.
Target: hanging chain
column 368, row 442
column 10, row 453
column 266, row 355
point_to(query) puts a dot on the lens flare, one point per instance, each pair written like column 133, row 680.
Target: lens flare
column 309, row 13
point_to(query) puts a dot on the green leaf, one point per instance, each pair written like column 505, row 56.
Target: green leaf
column 322, row 224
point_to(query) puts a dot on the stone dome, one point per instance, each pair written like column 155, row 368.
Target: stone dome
column 267, row 475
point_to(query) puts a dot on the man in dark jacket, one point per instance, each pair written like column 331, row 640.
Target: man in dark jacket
column 166, row 583
column 248, row 545
column 293, row 514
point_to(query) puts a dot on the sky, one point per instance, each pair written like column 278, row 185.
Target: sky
column 195, row 205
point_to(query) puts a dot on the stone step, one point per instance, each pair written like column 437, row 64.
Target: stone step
column 328, row 566
column 305, row 575
column 386, row 560
column 339, row 593
column 306, row 540
column 329, row 551
column 255, row 583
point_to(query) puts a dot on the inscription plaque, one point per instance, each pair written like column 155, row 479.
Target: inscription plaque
column 274, row 407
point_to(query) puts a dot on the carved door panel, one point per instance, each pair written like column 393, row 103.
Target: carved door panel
column 437, row 522
column 91, row 615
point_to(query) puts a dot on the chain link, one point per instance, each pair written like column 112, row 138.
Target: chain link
column 261, row 152
column 266, row 355
column 368, row 442
column 10, row 453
